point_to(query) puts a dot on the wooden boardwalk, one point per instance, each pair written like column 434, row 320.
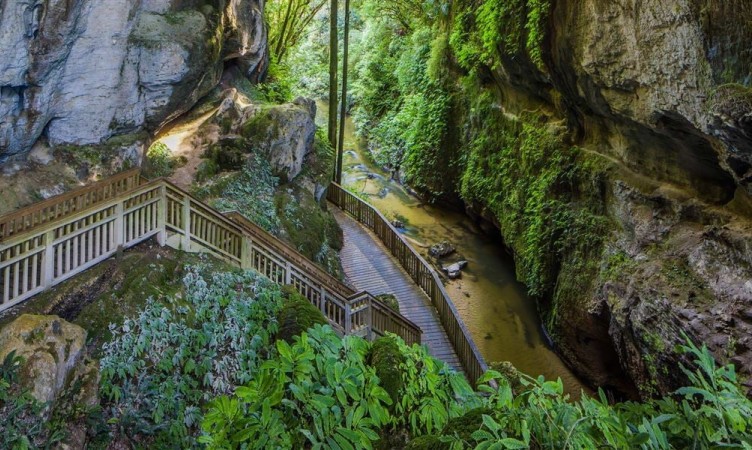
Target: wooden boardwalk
column 369, row 267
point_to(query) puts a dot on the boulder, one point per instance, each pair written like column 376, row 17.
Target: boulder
column 53, row 352
column 441, row 250
column 285, row 135
column 454, row 270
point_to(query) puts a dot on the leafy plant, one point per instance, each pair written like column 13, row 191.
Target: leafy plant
column 159, row 161
column 251, row 192
column 317, row 392
column 163, row 365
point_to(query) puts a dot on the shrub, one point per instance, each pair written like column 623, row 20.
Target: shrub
column 389, row 300
column 317, row 392
column 159, row 161
column 297, row 315
column 163, row 365
column 387, row 359
column 251, row 193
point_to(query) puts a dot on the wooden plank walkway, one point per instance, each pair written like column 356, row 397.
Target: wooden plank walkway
column 369, row 267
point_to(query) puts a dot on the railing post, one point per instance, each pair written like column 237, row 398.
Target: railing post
column 48, row 275
column 288, row 272
column 322, row 304
column 119, row 225
column 162, row 216
column 348, row 318
column 369, row 319
column 246, row 253
column 186, row 240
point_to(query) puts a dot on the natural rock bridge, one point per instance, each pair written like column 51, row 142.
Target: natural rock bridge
column 51, row 241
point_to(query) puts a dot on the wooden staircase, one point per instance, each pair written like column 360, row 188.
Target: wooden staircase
column 49, row 242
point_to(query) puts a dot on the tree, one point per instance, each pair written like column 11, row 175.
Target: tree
column 333, row 66
column 288, row 22
column 343, row 106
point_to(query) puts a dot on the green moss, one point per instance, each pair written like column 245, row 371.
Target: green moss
column 428, row 442
column 297, row 315
column 262, row 125
column 546, row 200
column 309, row 228
column 732, row 100
column 499, row 28
column 385, row 357
column 228, row 154
column 682, row 278
column 617, row 264
column 390, row 300
column 103, row 158
column 115, row 289
column 159, row 161
column 465, row 425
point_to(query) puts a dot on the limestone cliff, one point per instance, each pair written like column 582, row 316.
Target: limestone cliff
column 82, row 72
column 655, row 94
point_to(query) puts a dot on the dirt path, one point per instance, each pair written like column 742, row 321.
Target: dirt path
column 179, row 139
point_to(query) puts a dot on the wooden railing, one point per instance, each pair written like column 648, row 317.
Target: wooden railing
column 78, row 230
column 420, row 271
column 26, row 219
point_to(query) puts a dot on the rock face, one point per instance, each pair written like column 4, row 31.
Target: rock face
column 53, row 351
column 82, row 72
column 285, row 135
column 657, row 93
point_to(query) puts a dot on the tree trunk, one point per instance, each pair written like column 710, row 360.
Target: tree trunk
column 281, row 34
column 343, row 107
column 333, row 66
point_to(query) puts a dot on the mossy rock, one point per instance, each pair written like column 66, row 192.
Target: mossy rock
column 508, row 371
column 297, row 315
column 228, row 154
column 732, row 100
column 428, row 442
column 389, row 300
column 310, row 228
column 467, row 424
column 386, row 358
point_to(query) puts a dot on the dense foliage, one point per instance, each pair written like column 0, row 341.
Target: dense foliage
column 250, row 191
column 162, row 365
column 427, row 102
column 320, row 392
column 202, row 370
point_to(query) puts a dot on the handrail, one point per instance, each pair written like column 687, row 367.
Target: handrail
column 127, row 209
column 421, row 272
column 322, row 277
column 291, row 254
column 58, row 207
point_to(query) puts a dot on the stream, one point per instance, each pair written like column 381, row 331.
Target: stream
column 501, row 318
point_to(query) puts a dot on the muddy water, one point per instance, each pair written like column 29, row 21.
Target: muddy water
column 501, row 318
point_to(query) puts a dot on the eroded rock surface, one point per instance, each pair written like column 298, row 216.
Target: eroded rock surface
column 82, row 72
column 53, row 353
column 285, row 135
column 657, row 93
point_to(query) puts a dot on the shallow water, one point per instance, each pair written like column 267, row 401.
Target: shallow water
column 500, row 317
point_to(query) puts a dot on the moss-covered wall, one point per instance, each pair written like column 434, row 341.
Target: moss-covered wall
column 599, row 138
